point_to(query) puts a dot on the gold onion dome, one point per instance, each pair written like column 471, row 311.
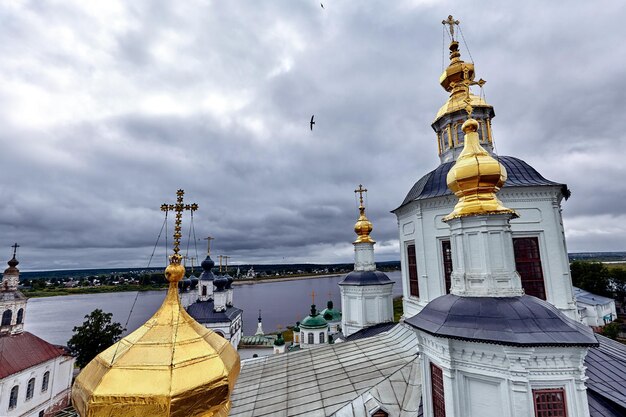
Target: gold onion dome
column 456, row 79
column 475, row 178
column 363, row 226
column 170, row 366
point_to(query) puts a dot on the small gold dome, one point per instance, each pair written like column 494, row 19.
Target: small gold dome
column 363, row 228
column 170, row 366
column 475, row 178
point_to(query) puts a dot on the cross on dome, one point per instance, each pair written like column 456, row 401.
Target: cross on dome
column 179, row 207
column 451, row 23
column 209, row 239
column 360, row 190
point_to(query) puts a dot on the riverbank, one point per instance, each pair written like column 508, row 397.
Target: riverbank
column 54, row 292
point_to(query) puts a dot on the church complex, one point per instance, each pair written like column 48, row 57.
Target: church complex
column 490, row 325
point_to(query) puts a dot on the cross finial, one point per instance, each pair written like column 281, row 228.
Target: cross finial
column 209, row 239
column 220, row 258
column 179, row 207
column 15, row 246
column 226, row 258
column 450, row 22
column 330, row 295
column 360, row 190
column 313, row 297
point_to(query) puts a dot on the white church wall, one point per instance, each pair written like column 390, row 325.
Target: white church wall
column 420, row 223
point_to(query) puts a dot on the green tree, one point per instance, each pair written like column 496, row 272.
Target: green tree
column 618, row 280
column 592, row 277
column 611, row 330
column 96, row 334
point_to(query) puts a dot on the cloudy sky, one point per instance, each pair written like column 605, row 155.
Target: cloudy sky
column 108, row 107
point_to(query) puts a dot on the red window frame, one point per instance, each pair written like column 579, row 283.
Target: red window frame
column 528, row 265
column 550, row 402
column 437, row 394
column 414, row 288
column 446, row 256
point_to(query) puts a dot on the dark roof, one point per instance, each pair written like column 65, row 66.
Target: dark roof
column 24, row 350
column 520, row 174
column 606, row 370
column 516, row 321
column 371, row 331
column 202, row 312
column 600, row 407
column 366, row 278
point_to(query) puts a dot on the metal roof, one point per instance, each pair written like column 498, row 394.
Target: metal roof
column 515, row 321
column 371, row 331
column 520, row 174
column 24, row 350
column 606, row 370
column 202, row 312
column 325, row 380
column 590, row 298
column 366, row 278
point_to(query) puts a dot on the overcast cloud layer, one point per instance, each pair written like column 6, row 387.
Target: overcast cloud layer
column 108, row 107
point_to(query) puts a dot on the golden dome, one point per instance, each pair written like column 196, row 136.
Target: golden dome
column 457, row 79
column 170, row 366
column 475, row 178
column 363, row 228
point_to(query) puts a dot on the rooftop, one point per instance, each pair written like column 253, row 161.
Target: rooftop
column 25, row 350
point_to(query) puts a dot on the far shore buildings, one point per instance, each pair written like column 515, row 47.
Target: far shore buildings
column 35, row 376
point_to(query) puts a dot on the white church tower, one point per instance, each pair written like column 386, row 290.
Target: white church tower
column 12, row 301
column 205, row 282
column 487, row 349
column 366, row 294
column 425, row 241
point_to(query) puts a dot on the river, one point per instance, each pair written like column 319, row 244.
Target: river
column 282, row 304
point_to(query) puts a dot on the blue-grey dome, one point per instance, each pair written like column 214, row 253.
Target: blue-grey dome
column 207, row 265
column 220, row 283
column 520, row 174
column 366, row 278
column 515, row 321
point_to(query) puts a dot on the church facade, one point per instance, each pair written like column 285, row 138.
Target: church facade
column 35, row 376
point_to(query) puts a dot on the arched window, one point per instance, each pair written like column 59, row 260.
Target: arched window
column 481, row 136
column 30, row 388
column 445, row 139
column 311, row 338
column 20, row 316
column 13, row 397
column 380, row 413
column 322, row 337
column 44, row 383
column 459, row 133
column 6, row 317
column 204, row 290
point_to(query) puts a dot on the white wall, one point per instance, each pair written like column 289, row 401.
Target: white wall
column 420, row 222
column 365, row 305
column 59, row 386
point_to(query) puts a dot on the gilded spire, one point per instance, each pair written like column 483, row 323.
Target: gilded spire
column 458, row 77
column 363, row 226
column 475, row 178
column 170, row 366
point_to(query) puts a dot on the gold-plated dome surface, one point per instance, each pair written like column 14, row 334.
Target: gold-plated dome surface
column 171, row 366
column 363, row 226
column 475, row 178
column 457, row 102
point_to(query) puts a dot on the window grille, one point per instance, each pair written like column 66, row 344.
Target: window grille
column 550, row 402
column 44, row 382
column 528, row 265
column 13, row 397
column 446, row 255
column 436, row 379
column 412, row 261
column 30, row 388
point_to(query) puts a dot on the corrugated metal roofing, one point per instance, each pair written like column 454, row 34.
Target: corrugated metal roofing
column 24, row 350
column 520, row 174
column 606, row 369
column 590, row 298
column 514, row 321
column 371, row 331
column 202, row 312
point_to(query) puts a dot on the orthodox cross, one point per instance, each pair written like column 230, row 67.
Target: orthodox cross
column 179, row 207
column 330, row 295
column 360, row 190
column 467, row 82
column 209, row 239
column 193, row 258
column 313, row 297
column 15, row 246
column 220, row 258
column 450, row 22
column 226, row 262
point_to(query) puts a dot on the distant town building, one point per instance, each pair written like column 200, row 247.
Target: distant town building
column 35, row 376
column 594, row 310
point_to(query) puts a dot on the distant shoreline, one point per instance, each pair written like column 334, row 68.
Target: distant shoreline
column 60, row 292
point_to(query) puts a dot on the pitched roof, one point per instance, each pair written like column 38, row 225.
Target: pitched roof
column 520, row 174
column 366, row 278
column 24, row 350
column 371, row 331
column 606, row 370
column 320, row 381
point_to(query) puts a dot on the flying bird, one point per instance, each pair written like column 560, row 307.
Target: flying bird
column 312, row 122
column 322, row 4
